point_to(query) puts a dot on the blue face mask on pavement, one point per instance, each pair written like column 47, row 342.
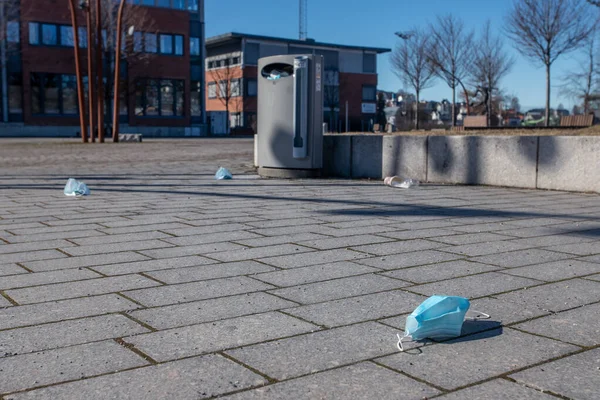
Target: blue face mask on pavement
column 438, row 317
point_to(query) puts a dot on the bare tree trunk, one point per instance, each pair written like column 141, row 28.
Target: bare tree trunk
column 489, row 106
column 99, row 71
column 117, row 63
column 417, row 113
column 547, row 95
column 454, row 106
column 80, row 97
column 90, row 71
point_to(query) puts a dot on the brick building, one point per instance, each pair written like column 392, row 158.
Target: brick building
column 231, row 74
column 162, row 69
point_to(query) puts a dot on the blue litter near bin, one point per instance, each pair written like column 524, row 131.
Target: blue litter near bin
column 223, row 173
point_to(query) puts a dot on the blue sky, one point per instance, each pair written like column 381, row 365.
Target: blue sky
column 356, row 22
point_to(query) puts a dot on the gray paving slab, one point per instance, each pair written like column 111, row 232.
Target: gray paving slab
column 84, row 261
column 358, row 309
column 418, row 234
column 41, row 278
column 579, row 326
column 283, row 239
column 217, row 336
column 60, row 365
column 4, row 302
column 477, row 357
column 66, row 333
column 212, row 238
column 557, row 296
column 69, row 290
column 198, row 312
column 128, row 237
column 475, row 285
column 470, row 238
column 212, row 271
column 595, row 259
column 152, row 265
column 522, row 258
column 174, row 294
column 313, row 258
column 360, row 381
column 166, row 227
column 574, row 377
column 31, row 256
column 403, row 246
column 557, row 270
column 206, row 230
column 339, row 288
column 314, row 273
column 54, row 235
column 63, row 310
column 580, row 249
column 182, row 251
column 259, row 252
column 11, row 269
column 319, row 351
column 345, row 241
column 498, row 389
column 115, row 247
column 440, row 271
column 482, row 249
column 405, row 260
column 191, row 379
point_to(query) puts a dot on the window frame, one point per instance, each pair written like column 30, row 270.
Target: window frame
column 247, row 91
column 41, row 96
column 209, row 87
column 178, row 85
column 372, row 100
column 193, row 46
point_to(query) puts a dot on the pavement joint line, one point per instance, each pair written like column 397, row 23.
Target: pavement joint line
column 131, row 347
column 547, row 337
column 269, row 379
column 129, row 298
column 92, row 270
column 8, row 298
column 323, row 327
column 137, row 321
column 441, row 389
column 24, row 267
column 64, row 252
column 506, row 271
column 544, row 391
column 145, row 275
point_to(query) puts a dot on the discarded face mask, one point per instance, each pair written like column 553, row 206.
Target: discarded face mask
column 394, row 181
column 223, row 173
column 76, row 188
column 438, row 317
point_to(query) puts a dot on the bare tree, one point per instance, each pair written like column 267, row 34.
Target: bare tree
column 581, row 83
column 410, row 63
column 228, row 87
column 490, row 64
column 451, row 53
column 136, row 23
column 545, row 30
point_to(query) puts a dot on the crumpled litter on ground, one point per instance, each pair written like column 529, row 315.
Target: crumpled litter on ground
column 75, row 188
column 394, row 181
column 223, row 173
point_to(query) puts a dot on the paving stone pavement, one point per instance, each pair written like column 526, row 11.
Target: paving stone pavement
column 165, row 284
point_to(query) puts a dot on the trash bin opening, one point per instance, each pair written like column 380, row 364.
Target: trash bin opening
column 277, row 71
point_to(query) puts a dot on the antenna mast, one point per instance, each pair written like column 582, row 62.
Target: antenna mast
column 303, row 20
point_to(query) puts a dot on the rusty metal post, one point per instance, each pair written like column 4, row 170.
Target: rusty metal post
column 115, row 132
column 90, row 67
column 80, row 97
column 99, row 71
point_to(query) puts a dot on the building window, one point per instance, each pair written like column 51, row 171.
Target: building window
column 150, row 43
column 49, row 35
column 235, row 120
column 163, row 3
column 211, row 64
column 196, row 99
column 235, row 61
column 15, row 94
column 369, row 93
column 166, row 44
column 82, row 32
column 164, row 98
column 193, row 5
column 138, row 42
column 251, row 87
column 66, row 36
column 12, row 32
column 194, row 46
column 369, row 63
column 148, row 2
column 179, row 4
column 212, row 90
column 178, row 45
column 54, row 94
column 235, row 87
column 34, row 33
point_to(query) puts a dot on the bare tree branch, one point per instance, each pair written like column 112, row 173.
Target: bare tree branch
column 228, row 87
column 490, row 64
column 410, row 63
column 451, row 53
column 544, row 30
column 581, row 83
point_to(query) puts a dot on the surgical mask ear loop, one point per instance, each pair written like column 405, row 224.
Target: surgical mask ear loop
column 480, row 315
column 400, row 339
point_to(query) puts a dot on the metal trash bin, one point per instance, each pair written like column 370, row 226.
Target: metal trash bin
column 290, row 116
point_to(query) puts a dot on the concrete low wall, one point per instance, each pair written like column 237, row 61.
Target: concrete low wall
column 544, row 162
